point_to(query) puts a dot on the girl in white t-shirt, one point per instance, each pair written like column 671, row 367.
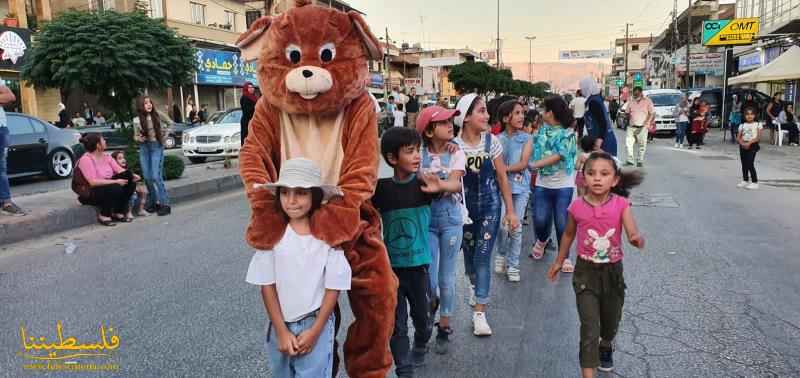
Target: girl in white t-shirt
column 300, row 278
column 749, row 135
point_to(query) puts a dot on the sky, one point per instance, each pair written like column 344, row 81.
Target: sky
column 557, row 25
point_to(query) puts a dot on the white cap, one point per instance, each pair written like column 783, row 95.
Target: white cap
column 463, row 106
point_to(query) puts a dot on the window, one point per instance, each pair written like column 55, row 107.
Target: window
column 230, row 21
column 251, row 17
column 18, row 125
column 634, row 47
column 198, row 13
column 157, row 8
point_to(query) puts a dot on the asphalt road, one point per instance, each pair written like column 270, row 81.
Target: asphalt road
column 40, row 184
column 714, row 294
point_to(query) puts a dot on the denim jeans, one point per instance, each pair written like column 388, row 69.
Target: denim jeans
column 444, row 241
column 317, row 363
column 509, row 244
column 680, row 131
column 550, row 205
column 5, row 189
column 151, row 159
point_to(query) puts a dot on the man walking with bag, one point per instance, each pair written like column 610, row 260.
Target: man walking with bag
column 7, row 207
column 641, row 113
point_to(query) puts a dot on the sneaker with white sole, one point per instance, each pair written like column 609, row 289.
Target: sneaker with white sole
column 677, row 145
column 480, row 325
column 513, row 274
column 752, row 186
column 499, row 264
column 742, row 184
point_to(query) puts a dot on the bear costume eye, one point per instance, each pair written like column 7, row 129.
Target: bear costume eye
column 293, row 54
column 327, row 52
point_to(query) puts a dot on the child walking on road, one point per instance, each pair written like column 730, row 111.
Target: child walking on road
column 300, row 278
column 598, row 219
column 748, row 138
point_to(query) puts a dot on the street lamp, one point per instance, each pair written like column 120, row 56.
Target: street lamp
column 530, row 57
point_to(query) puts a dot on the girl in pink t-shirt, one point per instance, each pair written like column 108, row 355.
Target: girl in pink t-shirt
column 598, row 218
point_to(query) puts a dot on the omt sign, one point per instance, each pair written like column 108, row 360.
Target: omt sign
column 739, row 31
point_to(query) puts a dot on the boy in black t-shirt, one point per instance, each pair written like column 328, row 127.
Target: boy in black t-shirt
column 404, row 203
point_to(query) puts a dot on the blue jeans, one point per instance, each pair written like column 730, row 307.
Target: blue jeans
column 680, row 131
column 550, row 205
column 151, row 159
column 317, row 363
column 510, row 244
column 5, row 188
column 444, row 241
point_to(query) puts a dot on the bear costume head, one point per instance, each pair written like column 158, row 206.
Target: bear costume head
column 307, row 66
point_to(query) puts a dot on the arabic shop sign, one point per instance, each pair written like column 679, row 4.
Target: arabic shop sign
column 215, row 67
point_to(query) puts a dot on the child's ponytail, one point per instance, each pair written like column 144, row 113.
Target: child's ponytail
column 628, row 179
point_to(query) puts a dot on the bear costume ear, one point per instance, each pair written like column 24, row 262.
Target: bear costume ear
column 371, row 44
column 250, row 42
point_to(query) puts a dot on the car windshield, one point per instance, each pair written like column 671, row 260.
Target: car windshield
column 667, row 99
column 232, row 117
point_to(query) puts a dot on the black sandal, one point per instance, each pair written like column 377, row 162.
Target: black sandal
column 107, row 223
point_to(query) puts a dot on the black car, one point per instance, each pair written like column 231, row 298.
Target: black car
column 37, row 147
column 713, row 97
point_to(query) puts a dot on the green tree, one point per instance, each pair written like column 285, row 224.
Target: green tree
column 470, row 77
column 115, row 56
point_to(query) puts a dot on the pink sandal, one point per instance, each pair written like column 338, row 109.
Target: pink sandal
column 537, row 253
column 567, row 267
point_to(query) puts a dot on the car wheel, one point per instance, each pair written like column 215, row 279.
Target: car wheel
column 197, row 160
column 59, row 164
column 169, row 142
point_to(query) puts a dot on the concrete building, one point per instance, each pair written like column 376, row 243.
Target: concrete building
column 435, row 66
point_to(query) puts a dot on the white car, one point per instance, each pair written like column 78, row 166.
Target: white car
column 665, row 101
column 223, row 139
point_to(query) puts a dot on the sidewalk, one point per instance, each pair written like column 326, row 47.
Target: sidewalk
column 777, row 165
column 57, row 211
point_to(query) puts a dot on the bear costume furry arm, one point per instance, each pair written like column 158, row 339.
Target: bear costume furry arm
column 339, row 222
column 259, row 162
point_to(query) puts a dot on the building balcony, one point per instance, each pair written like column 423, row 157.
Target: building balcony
column 204, row 33
column 781, row 17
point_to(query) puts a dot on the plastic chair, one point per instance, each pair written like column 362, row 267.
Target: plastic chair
column 780, row 134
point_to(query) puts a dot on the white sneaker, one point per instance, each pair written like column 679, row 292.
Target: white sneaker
column 742, row 184
column 499, row 264
column 472, row 302
column 677, row 145
column 752, row 186
column 480, row 325
column 680, row 145
column 513, row 274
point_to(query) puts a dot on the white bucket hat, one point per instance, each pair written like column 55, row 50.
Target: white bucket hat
column 463, row 106
column 302, row 173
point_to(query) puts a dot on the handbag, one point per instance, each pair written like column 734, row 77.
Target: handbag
column 80, row 185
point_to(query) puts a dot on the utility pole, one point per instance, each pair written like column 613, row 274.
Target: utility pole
column 498, row 33
column 530, row 58
column 625, row 79
column 674, row 43
column 386, row 67
column 688, row 45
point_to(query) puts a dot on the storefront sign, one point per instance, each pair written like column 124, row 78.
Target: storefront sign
column 215, row 67
column 750, row 61
column 376, row 80
column 790, row 90
column 14, row 43
column 702, row 64
column 740, row 31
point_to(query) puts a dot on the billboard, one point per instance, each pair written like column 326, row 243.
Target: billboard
column 217, row 67
column 739, row 31
column 701, row 63
column 584, row 54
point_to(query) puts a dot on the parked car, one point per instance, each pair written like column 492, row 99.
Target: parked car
column 37, row 147
column 220, row 139
column 664, row 101
column 173, row 132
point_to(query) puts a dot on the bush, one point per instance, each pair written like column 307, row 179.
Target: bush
column 173, row 165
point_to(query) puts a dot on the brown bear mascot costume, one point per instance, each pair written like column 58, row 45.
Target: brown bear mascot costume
column 312, row 67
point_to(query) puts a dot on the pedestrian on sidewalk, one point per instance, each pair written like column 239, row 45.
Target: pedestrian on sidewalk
column 578, row 106
column 7, row 206
column 445, row 234
column 735, row 118
column 597, row 219
column 596, row 119
column 399, row 115
column 148, row 134
column 517, row 151
column 111, row 186
column 412, row 107
column 681, row 114
column 139, row 196
column 554, row 154
column 485, row 184
column 404, row 201
column 300, row 278
column 774, row 109
column 641, row 113
column 749, row 136
column 699, row 125
column 248, row 103
column 788, row 122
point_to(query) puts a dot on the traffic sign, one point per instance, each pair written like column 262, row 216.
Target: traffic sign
column 739, row 31
column 620, row 82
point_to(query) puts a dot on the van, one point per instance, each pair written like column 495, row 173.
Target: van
column 664, row 101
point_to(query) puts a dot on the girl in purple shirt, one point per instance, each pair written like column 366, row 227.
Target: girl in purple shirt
column 597, row 219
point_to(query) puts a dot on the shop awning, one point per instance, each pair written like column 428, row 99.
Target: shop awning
column 784, row 67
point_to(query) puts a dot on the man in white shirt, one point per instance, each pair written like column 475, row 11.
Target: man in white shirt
column 7, row 207
column 641, row 113
column 399, row 116
column 578, row 106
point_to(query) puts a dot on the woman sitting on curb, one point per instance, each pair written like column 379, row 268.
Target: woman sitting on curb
column 111, row 185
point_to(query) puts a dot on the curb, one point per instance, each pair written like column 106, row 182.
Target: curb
column 60, row 218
